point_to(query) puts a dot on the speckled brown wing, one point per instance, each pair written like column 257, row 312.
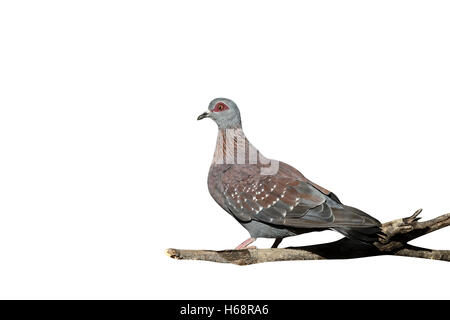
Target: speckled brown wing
column 285, row 200
column 275, row 199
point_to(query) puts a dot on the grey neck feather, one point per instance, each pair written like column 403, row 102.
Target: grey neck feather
column 233, row 121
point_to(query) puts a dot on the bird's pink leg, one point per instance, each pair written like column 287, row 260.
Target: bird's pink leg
column 244, row 244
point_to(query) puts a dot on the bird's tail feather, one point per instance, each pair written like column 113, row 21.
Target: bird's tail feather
column 368, row 231
column 366, row 235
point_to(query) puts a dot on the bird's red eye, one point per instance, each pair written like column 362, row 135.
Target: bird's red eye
column 220, row 107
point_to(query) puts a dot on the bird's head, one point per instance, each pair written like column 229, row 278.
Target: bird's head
column 224, row 112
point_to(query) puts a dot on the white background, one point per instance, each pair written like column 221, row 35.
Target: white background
column 103, row 164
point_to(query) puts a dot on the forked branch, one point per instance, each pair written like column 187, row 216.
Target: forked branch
column 394, row 241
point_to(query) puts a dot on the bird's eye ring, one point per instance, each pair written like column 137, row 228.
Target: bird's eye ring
column 220, row 107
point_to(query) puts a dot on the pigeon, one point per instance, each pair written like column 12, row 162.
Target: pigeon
column 270, row 198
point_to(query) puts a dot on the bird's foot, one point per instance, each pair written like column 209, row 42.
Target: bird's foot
column 277, row 242
column 245, row 244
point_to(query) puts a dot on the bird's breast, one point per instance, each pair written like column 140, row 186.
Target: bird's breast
column 215, row 183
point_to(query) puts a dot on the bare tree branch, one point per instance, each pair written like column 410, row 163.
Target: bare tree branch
column 393, row 241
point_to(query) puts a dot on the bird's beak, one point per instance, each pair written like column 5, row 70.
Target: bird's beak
column 204, row 115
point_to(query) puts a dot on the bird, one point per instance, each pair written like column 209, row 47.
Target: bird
column 270, row 198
